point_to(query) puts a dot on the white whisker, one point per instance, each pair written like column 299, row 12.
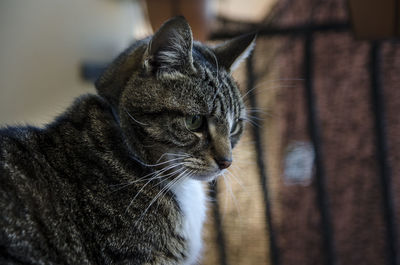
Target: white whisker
column 244, row 97
column 157, row 164
column 252, row 122
column 254, row 118
column 177, row 180
column 274, row 81
column 147, row 183
column 241, row 184
column 172, row 154
column 229, row 189
column 138, row 122
column 156, row 174
column 257, row 110
column 165, row 189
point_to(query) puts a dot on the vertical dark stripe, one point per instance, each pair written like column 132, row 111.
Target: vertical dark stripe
column 232, row 104
column 235, row 94
column 396, row 18
column 218, row 224
column 322, row 201
column 381, row 152
column 273, row 250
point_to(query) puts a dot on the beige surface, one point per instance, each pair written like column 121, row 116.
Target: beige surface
column 42, row 44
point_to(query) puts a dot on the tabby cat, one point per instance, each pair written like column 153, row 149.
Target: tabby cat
column 117, row 178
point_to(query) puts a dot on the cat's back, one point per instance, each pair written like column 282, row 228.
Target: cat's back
column 19, row 163
column 43, row 174
column 33, row 222
column 64, row 198
column 54, row 196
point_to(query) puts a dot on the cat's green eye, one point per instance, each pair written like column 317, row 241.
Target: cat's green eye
column 194, row 122
column 235, row 129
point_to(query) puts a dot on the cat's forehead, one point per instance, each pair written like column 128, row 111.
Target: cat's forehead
column 225, row 95
column 199, row 93
column 228, row 102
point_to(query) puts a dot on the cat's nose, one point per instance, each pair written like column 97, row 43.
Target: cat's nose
column 223, row 163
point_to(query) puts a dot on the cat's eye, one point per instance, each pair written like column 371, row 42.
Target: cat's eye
column 194, row 122
column 235, row 129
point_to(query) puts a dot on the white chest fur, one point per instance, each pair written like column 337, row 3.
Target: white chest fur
column 192, row 200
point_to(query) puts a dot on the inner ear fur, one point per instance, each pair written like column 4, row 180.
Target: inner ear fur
column 171, row 47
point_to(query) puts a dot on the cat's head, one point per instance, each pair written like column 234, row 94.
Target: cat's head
column 177, row 104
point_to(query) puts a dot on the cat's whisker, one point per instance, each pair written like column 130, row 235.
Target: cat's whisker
column 166, row 188
column 135, row 120
column 225, row 199
column 246, row 143
column 155, row 175
column 245, row 96
column 184, row 155
column 260, row 90
column 164, row 169
column 254, row 117
column 242, row 162
column 145, row 185
column 229, row 189
column 250, row 121
column 159, row 173
column 168, row 175
column 156, row 164
column 279, row 80
column 241, row 184
column 178, row 179
column 256, row 111
column 273, row 81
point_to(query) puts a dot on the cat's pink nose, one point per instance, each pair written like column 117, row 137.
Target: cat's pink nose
column 223, row 163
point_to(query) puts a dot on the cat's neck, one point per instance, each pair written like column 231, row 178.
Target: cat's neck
column 91, row 127
column 191, row 198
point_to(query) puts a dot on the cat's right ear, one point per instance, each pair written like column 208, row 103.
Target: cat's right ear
column 170, row 48
column 231, row 53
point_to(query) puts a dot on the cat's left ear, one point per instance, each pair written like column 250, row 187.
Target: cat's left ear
column 170, row 48
column 231, row 53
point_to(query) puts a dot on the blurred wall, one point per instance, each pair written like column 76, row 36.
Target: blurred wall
column 44, row 42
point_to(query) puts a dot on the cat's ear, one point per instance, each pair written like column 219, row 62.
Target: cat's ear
column 231, row 53
column 170, row 48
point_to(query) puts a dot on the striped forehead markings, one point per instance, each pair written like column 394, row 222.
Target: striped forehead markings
column 230, row 102
column 225, row 102
column 236, row 93
column 231, row 96
column 224, row 106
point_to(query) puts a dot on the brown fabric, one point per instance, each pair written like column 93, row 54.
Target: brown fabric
column 342, row 87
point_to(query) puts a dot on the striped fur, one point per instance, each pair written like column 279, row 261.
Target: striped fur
column 114, row 180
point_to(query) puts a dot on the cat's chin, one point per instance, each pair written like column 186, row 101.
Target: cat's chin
column 207, row 177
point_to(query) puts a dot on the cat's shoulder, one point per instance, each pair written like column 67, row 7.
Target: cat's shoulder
column 84, row 105
column 26, row 139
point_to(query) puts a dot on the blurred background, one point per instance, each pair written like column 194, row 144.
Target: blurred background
column 316, row 177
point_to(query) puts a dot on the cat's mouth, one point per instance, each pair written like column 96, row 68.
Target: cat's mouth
column 176, row 167
column 206, row 174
